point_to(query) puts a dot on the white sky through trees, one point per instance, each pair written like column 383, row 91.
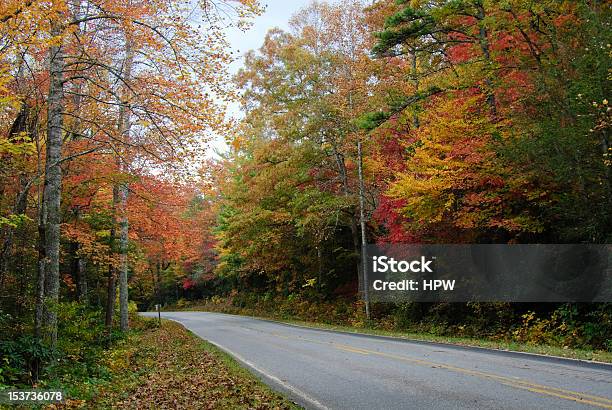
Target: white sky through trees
column 277, row 14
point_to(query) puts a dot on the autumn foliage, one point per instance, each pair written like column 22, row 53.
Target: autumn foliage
column 475, row 121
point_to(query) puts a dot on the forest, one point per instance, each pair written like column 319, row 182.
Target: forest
column 408, row 121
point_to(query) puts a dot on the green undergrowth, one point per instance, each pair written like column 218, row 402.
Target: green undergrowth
column 152, row 367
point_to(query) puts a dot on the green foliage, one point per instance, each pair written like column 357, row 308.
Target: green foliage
column 81, row 362
column 406, row 24
column 561, row 150
column 372, row 120
column 83, row 341
column 18, row 145
column 21, row 359
column 14, row 221
column 569, row 325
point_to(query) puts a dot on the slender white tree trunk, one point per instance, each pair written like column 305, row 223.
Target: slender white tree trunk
column 123, row 247
column 364, row 266
column 53, row 184
column 124, row 128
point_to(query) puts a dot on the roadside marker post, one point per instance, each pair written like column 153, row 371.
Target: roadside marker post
column 158, row 308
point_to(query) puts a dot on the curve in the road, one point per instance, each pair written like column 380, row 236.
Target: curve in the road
column 334, row 370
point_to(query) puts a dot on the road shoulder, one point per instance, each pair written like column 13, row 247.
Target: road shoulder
column 169, row 367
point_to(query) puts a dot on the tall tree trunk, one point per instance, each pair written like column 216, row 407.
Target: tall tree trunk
column 366, row 292
column 124, row 129
column 111, row 289
column 123, row 268
column 53, row 184
column 360, row 247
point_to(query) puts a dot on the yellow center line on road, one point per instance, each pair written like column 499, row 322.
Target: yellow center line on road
column 541, row 389
column 350, row 349
column 523, row 384
column 280, row 335
column 578, row 399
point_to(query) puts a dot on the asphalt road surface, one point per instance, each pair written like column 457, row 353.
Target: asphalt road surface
column 330, row 370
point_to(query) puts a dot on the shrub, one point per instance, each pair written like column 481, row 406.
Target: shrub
column 21, row 360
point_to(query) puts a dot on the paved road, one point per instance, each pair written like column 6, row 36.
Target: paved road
column 323, row 369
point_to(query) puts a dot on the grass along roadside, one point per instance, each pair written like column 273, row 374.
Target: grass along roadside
column 588, row 355
column 169, row 367
column 571, row 353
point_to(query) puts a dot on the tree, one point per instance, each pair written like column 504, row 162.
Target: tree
column 302, row 92
column 502, row 53
column 50, row 218
column 123, row 189
column 174, row 87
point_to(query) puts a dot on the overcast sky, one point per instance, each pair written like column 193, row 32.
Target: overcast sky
column 277, row 14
